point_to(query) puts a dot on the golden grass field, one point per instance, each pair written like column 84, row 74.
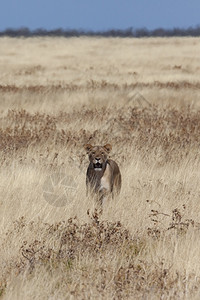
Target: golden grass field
column 143, row 97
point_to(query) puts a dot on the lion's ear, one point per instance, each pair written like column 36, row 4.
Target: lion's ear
column 108, row 147
column 88, row 147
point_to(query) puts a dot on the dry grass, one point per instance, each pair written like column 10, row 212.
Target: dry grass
column 140, row 95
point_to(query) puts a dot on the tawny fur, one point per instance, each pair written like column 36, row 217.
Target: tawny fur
column 106, row 180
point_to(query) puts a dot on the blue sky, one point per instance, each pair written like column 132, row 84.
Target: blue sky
column 99, row 15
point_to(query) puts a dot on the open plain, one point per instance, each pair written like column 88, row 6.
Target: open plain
column 143, row 97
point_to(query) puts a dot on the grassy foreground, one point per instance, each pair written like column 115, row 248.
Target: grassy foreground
column 143, row 97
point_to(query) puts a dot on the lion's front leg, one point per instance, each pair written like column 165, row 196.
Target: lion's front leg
column 104, row 197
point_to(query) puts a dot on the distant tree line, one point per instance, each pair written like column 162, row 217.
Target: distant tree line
column 129, row 32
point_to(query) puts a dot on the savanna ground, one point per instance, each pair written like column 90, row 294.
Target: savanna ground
column 143, row 97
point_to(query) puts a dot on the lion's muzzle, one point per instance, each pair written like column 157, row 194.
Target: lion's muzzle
column 98, row 166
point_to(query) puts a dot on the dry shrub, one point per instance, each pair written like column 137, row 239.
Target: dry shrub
column 167, row 131
column 175, row 221
column 84, row 251
column 72, row 239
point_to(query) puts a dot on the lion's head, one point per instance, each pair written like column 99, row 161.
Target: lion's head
column 98, row 155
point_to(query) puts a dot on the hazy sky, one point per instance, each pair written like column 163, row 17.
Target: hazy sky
column 99, row 15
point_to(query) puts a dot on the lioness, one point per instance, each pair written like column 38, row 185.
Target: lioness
column 103, row 176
